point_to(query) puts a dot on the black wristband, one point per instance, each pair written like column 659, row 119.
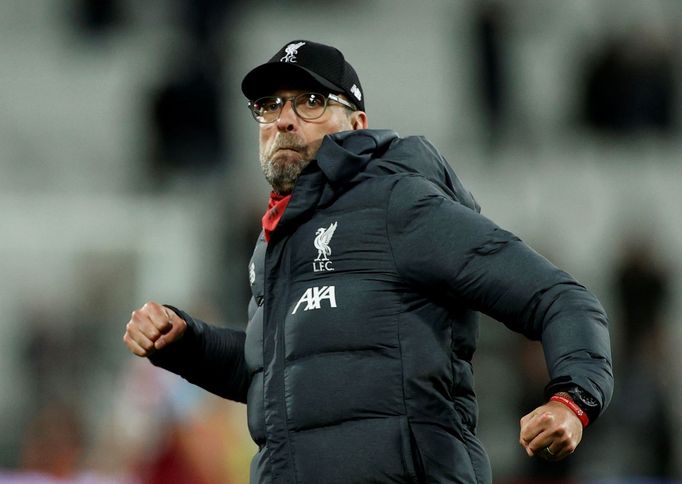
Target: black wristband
column 584, row 400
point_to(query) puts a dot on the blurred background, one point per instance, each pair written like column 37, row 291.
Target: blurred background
column 129, row 172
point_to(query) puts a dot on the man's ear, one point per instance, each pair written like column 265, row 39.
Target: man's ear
column 358, row 120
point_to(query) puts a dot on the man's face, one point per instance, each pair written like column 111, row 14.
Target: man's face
column 290, row 143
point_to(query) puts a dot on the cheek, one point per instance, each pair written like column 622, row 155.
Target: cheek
column 339, row 122
column 264, row 140
column 312, row 148
column 334, row 124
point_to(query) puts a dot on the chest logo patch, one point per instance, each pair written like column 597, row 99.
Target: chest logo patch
column 313, row 297
column 323, row 237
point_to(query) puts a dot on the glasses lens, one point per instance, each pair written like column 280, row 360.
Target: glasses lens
column 310, row 105
column 266, row 109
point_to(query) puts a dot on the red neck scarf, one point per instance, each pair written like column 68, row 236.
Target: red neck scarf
column 276, row 206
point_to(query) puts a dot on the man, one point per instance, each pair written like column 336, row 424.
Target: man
column 356, row 362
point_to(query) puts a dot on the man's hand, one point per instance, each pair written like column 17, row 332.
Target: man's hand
column 551, row 431
column 151, row 328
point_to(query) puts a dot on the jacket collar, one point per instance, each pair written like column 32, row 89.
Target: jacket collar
column 348, row 156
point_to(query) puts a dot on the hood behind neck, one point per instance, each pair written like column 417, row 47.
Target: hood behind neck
column 347, row 155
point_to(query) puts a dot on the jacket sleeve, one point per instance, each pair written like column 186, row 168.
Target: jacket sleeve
column 464, row 258
column 208, row 356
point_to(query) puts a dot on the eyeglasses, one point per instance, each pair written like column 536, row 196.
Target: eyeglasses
column 308, row 106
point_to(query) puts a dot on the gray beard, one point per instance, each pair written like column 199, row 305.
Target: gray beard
column 282, row 170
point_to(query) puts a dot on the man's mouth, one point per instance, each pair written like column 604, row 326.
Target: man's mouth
column 287, row 152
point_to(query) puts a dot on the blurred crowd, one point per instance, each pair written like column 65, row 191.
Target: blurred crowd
column 77, row 408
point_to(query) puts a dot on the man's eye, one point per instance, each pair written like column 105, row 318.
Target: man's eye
column 271, row 106
column 266, row 105
column 314, row 101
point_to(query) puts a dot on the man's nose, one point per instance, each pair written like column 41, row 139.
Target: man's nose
column 287, row 117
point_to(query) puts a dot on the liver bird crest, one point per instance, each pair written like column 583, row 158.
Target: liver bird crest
column 292, row 52
column 322, row 239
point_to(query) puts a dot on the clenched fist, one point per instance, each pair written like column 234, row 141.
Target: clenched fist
column 551, row 431
column 151, row 328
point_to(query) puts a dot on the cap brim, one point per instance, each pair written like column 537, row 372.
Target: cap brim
column 265, row 79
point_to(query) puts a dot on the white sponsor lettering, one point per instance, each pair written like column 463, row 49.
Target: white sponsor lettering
column 313, row 297
column 252, row 273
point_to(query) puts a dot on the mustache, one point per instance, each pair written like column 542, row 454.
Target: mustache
column 287, row 141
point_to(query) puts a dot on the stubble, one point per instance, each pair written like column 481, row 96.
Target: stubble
column 283, row 161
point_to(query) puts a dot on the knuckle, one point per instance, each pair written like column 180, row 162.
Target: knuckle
column 548, row 417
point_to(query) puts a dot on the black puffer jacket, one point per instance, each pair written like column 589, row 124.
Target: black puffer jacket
column 356, row 363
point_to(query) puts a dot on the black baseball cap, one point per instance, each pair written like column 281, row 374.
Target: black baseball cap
column 302, row 64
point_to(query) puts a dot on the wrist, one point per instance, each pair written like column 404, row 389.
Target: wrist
column 566, row 400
